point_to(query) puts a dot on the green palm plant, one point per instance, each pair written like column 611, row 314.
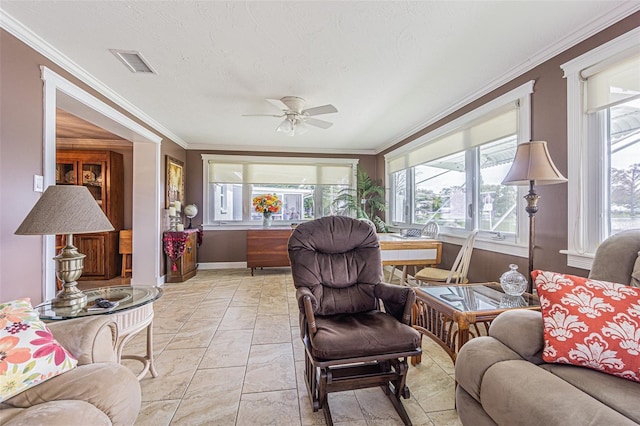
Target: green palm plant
column 366, row 200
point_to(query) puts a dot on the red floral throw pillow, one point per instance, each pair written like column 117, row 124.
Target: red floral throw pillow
column 594, row 324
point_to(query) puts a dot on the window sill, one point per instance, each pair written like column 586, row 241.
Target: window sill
column 242, row 226
column 502, row 247
column 579, row 260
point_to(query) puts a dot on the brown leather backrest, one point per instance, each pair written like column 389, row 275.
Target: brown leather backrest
column 338, row 259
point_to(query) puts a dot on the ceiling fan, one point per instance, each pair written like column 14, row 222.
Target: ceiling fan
column 296, row 117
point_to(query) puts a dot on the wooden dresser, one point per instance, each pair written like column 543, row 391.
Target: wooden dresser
column 185, row 266
column 267, row 247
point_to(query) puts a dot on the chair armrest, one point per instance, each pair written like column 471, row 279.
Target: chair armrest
column 397, row 300
column 90, row 339
column 521, row 330
column 308, row 304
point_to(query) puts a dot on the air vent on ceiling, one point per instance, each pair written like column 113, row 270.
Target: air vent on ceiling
column 134, row 61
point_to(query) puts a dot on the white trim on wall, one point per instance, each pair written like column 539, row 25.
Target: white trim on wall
column 146, row 174
column 31, row 39
column 579, row 35
column 585, row 227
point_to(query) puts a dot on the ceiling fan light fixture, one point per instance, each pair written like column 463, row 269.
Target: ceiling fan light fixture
column 300, row 128
column 286, row 126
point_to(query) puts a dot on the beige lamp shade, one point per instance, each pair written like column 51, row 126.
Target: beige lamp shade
column 533, row 163
column 65, row 209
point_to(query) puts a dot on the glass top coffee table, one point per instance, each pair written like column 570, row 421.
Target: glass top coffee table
column 133, row 313
column 445, row 313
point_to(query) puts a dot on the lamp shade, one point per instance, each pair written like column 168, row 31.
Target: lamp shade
column 65, row 209
column 533, row 163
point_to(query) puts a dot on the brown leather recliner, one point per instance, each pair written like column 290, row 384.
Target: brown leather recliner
column 350, row 341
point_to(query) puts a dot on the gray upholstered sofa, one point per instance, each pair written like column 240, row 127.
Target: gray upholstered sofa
column 502, row 379
column 97, row 392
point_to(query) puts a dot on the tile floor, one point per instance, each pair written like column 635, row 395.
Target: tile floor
column 228, row 352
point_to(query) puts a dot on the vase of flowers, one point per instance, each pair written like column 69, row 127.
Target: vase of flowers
column 267, row 204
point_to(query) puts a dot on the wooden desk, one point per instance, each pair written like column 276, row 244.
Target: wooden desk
column 397, row 250
column 267, row 247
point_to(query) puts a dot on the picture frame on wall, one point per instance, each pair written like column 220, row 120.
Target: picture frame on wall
column 174, row 184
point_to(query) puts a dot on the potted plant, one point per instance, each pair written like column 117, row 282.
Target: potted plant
column 366, row 200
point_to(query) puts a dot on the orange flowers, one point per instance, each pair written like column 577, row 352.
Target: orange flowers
column 10, row 354
column 267, row 203
column 12, row 314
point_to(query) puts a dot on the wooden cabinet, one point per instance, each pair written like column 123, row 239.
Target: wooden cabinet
column 102, row 173
column 186, row 266
column 267, row 247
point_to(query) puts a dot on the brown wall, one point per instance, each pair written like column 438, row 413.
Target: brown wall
column 226, row 245
column 549, row 122
column 21, row 147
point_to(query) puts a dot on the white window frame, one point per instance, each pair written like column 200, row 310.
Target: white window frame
column 519, row 245
column 586, row 190
column 206, row 196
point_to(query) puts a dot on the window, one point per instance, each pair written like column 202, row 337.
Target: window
column 306, row 186
column 603, row 108
column 453, row 175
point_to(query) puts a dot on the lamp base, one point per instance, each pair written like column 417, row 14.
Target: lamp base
column 70, row 297
column 69, row 266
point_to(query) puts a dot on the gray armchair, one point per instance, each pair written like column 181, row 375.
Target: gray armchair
column 351, row 342
column 97, row 392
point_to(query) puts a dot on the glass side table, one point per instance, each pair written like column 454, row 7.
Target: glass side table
column 445, row 313
column 133, row 314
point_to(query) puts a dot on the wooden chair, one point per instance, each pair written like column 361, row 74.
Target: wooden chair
column 430, row 229
column 458, row 272
column 126, row 249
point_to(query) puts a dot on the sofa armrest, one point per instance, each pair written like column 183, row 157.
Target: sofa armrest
column 112, row 388
column 521, row 331
column 90, row 339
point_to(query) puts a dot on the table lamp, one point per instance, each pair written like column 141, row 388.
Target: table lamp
column 66, row 209
column 532, row 166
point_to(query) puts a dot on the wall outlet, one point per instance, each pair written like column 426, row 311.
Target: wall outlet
column 38, row 183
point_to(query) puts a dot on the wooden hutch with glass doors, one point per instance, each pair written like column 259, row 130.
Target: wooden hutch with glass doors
column 102, row 172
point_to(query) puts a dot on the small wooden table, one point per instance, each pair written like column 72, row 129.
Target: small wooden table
column 439, row 309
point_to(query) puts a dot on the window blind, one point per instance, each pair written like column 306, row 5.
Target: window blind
column 613, row 84
column 278, row 173
column 496, row 125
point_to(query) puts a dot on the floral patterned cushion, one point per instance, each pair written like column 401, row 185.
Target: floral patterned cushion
column 28, row 352
column 594, row 324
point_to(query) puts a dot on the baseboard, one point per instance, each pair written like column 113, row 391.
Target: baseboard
column 222, row 265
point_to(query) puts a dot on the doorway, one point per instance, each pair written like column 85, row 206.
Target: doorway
column 146, row 207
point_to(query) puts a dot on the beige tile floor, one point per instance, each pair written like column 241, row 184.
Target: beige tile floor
column 228, row 352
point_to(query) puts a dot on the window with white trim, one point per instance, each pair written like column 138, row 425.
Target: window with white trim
column 603, row 109
column 453, row 175
column 305, row 186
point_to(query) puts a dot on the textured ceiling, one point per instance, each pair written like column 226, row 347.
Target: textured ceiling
column 388, row 67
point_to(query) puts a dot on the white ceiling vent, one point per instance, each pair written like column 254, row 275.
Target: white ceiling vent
column 134, row 61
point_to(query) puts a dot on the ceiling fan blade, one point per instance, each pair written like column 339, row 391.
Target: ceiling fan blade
column 278, row 104
column 318, row 123
column 262, row 115
column 324, row 109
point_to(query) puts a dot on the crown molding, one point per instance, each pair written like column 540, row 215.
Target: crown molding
column 34, row 41
column 589, row 29
column 303, row 150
